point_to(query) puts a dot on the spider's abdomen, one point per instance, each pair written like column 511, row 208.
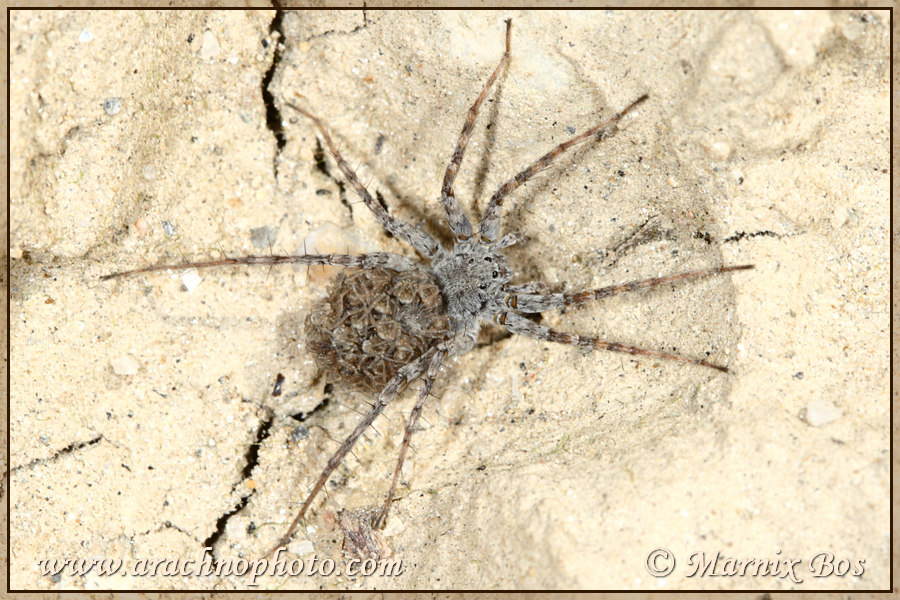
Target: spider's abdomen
column 374, row 321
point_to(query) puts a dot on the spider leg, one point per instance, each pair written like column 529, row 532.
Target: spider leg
column 456, row 217
column 532, row 287
column 534, row 303
column 510, row 239
column 418, row 239
column 490, row 221
column 518, row 324
column 373, row 260
column 433, row 369
column 390, row 391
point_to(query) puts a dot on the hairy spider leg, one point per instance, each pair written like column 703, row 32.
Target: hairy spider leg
column 418, row 239
column 456, row 217
column 490, row 220
column 535, row 303
column 434, row 368
column 373, row 260
column 531, row 287
column 396, row 385
column 518, row 324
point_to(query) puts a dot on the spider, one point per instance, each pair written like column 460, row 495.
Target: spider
column 391, row 319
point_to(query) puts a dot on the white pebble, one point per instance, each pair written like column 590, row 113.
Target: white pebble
column 822, row 412
column 210, row 48
column 191, row 279
column 853, row 30
column 720, row 150
column 394, row 526
column 839, row 217
column 716, row 149
column 124, row 365
column 302, row 547
column 85, row 36
column 112, row 106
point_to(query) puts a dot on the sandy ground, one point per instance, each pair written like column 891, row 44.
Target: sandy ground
column 142, row 420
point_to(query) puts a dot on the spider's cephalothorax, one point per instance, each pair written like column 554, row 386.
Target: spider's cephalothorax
column 472, row 277
column 396, row 319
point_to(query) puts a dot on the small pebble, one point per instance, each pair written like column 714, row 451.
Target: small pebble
column 720, row 150
column 141, row 226
column 85, row 36
column 124, row 365
column 191, row 279
column 210, row 48
column 112, row 106
column 169, row 228
column 839, row 217
column 852, row 31
column 302, row 547
column 822, row 412
column 717, row 149
column 301, row 432
column 394, row 526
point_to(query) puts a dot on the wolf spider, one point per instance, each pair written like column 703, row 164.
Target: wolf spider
column 422, row 312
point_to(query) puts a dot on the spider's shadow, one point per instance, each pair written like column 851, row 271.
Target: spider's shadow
column 416, row 206
column 484, row 160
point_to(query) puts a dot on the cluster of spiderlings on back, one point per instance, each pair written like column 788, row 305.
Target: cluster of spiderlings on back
column 374, row 321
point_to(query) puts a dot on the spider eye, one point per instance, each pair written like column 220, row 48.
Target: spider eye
column 488, row 258
column 494, row 275
column 483, row 286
